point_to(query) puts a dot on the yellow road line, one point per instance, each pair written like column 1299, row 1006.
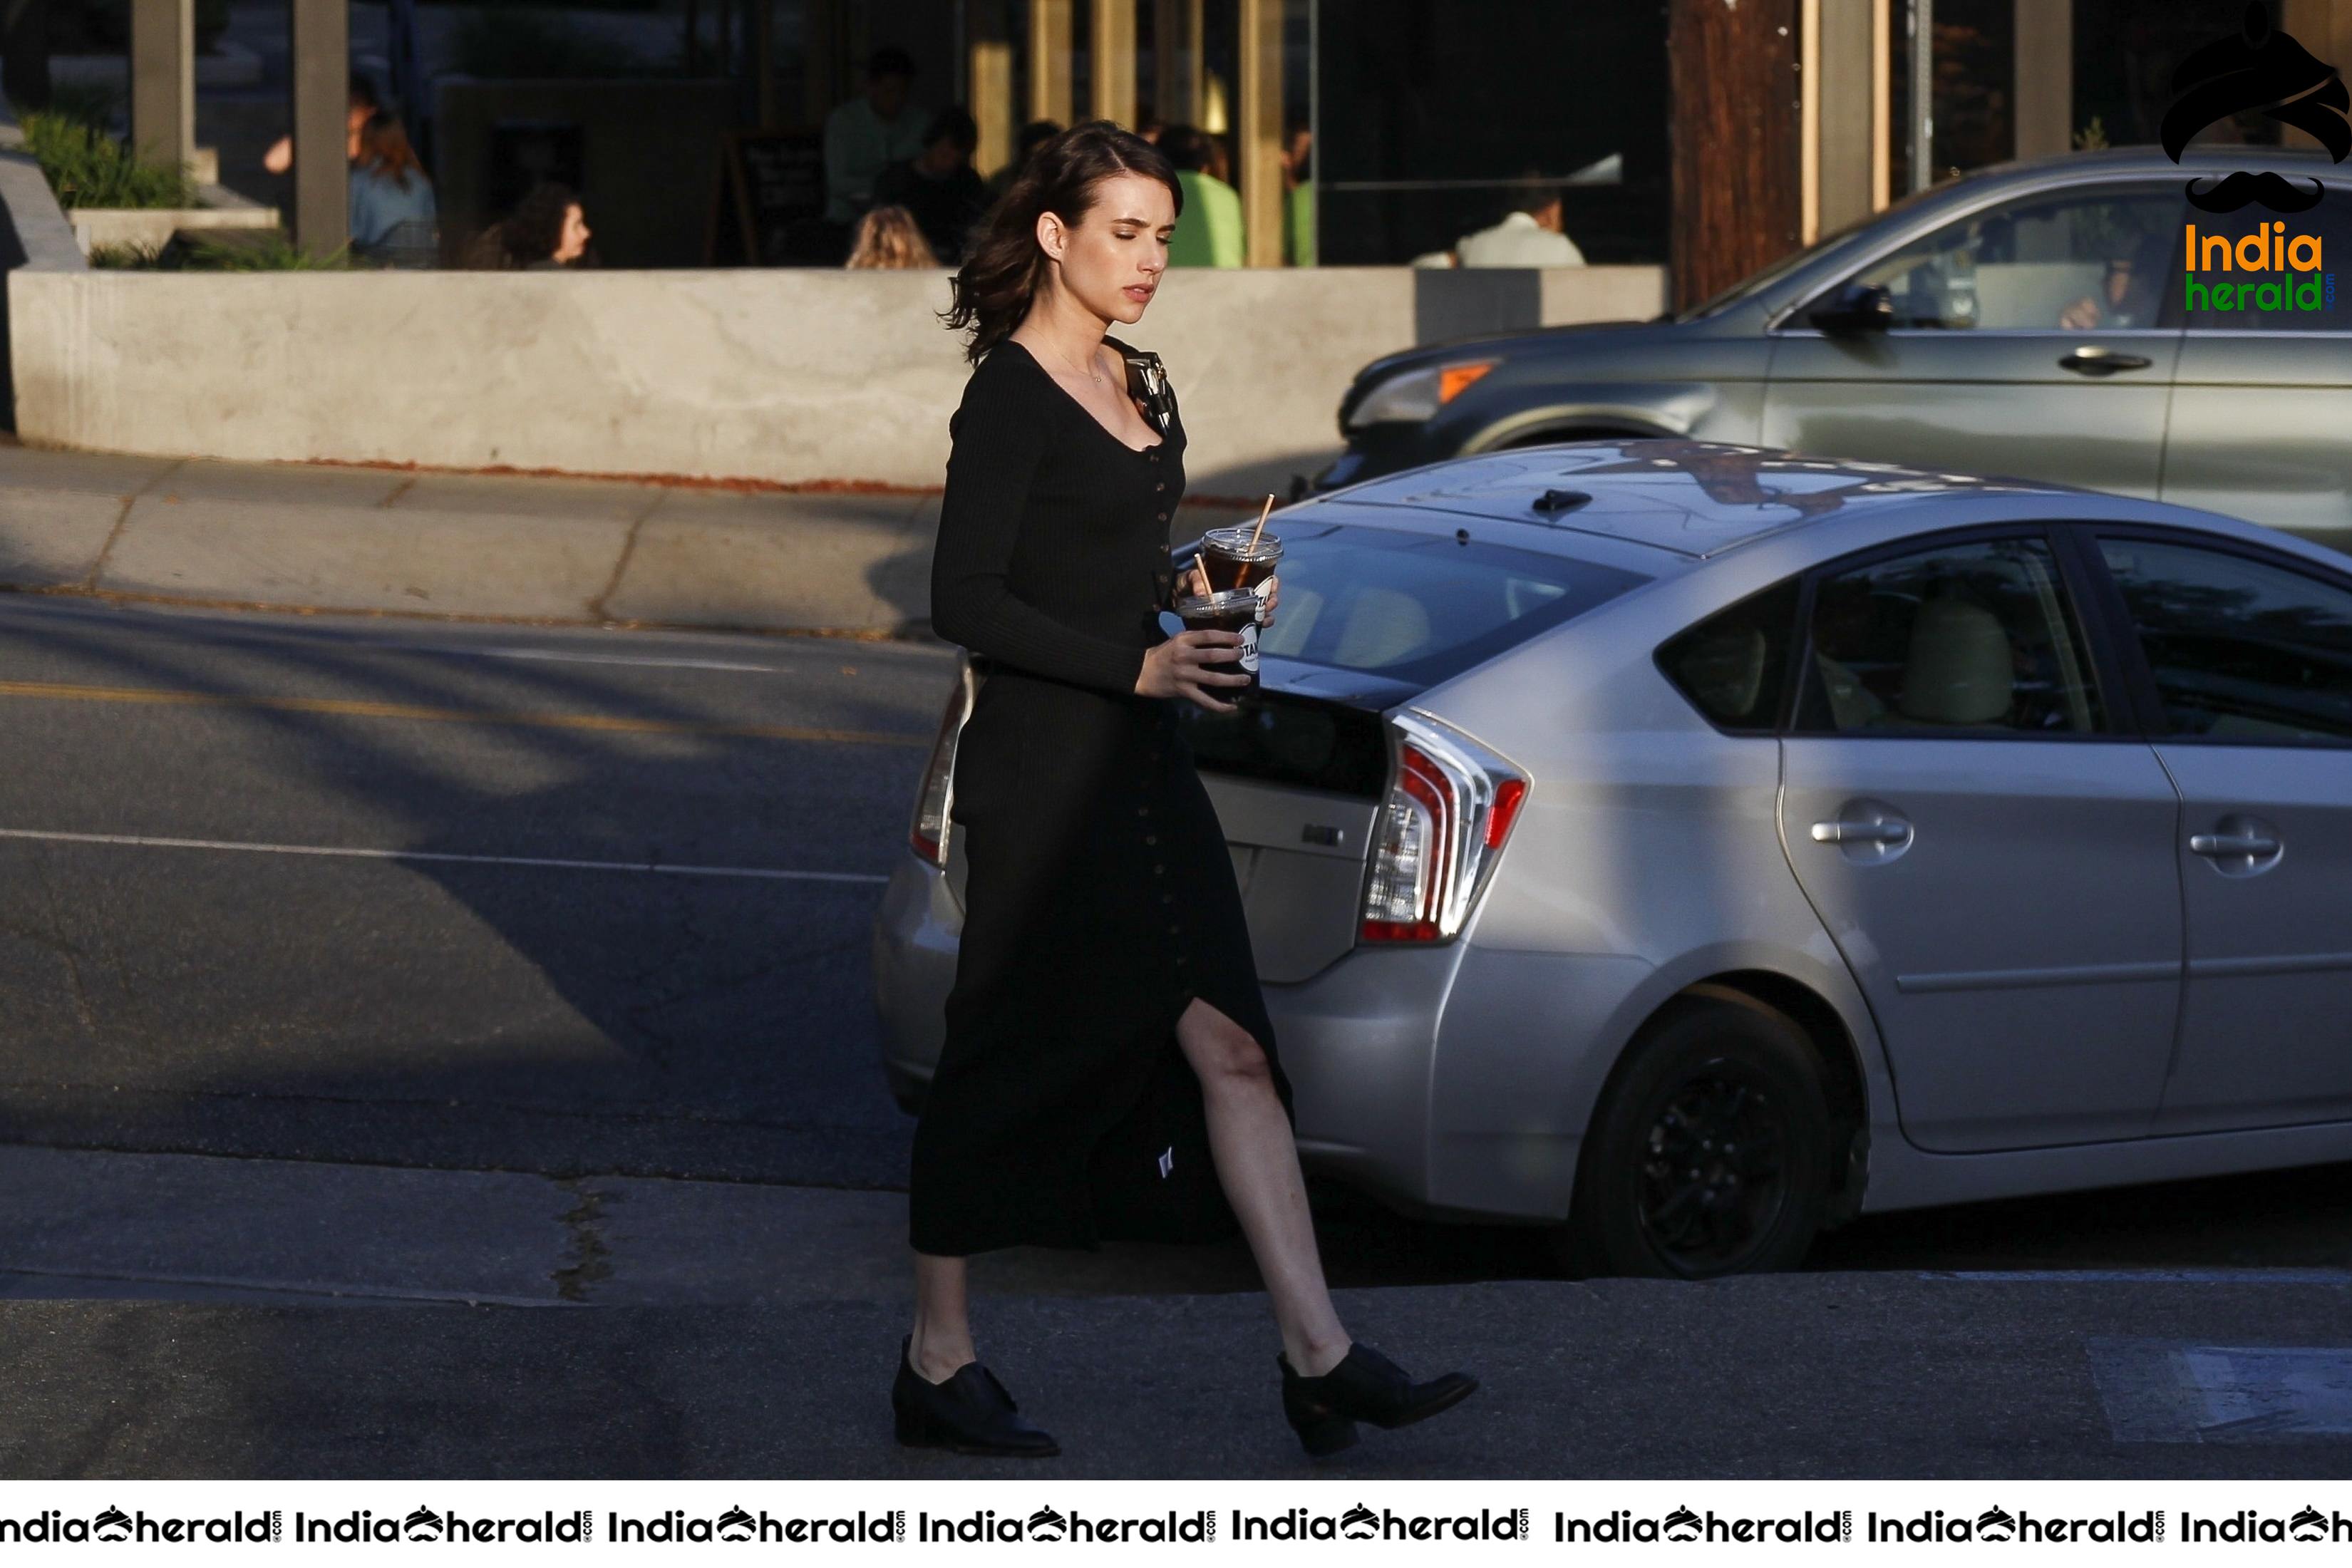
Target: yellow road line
column 348, row 709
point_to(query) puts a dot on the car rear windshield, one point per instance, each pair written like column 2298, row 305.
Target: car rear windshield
column 1421, row 608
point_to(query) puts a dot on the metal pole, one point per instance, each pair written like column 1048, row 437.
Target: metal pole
column 164, row 80
column 1923, row 93
column 989, row 70
column 1315, row 154
column 1052, row 93
column 1260, row 130
column 1112, row 47
column 322, row 71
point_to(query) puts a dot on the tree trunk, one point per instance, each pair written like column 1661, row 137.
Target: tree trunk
column 1732, row 66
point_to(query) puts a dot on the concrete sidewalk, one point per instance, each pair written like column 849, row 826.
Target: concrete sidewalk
column 495, row 546
column 604, row 1326
column 1822, row 1374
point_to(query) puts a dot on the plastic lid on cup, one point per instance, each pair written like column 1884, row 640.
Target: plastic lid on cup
column 1235, row 542
column 1221, row 601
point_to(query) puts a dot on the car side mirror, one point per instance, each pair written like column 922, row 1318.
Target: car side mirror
column 1856, row 307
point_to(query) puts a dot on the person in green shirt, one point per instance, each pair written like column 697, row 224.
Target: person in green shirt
column 1299, row 197
column 1209, row 233
column 869, row 134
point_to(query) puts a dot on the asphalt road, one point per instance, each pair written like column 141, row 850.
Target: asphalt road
column 398, row 1017
column 309, row 1001
column 305, row 999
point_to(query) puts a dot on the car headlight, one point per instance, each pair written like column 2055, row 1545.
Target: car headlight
column 1416, row 395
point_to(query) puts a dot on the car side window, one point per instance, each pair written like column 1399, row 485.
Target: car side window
column 1972, row 637
column 2241, row 650
column 1733, row 665
column 2260, row 271
column 2079, row 261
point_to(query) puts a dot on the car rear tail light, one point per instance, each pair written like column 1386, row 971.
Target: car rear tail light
column 1451, row 805
column 928, row 835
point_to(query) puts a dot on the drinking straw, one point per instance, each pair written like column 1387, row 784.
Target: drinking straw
column 1263, row 511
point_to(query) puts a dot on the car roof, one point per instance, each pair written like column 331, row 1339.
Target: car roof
column 1691, row 499
column 2147, row 157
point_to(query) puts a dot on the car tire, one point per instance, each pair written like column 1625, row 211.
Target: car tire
column 1710, row 1073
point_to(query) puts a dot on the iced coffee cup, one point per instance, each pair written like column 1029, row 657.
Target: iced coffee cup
column 1231, row 562
column 1228, row 610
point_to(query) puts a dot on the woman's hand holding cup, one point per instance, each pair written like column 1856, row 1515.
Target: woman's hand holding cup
column 1190, row 664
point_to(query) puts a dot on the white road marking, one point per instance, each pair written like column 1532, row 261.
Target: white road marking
column 2179, row 1391
column 142, row 841
column 645, row 663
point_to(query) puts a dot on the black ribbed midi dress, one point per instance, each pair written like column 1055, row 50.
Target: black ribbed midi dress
column 1099, row 896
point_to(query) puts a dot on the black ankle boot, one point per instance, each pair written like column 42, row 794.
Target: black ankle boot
column 970, row 1413
column 1362, row 1386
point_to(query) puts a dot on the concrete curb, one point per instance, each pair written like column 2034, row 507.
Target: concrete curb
column 473, row 546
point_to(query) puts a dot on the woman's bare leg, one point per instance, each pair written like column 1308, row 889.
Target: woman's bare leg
column 1257, row 1163
column 942, row 1339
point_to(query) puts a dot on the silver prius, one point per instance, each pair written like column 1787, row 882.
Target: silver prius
column 1688, row 846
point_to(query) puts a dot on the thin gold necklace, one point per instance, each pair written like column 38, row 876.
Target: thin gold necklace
column 1095, row 376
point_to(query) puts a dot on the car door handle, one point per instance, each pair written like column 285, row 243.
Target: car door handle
column 2232, row 844
column 2102, row 362
column 1861, row 832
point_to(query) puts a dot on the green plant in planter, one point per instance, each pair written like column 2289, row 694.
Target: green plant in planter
column 253, row 250
column 228, row 250
column 125, row 257
column 88, row 168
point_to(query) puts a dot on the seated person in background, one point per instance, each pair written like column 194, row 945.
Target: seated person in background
column 938, row 185
column 1209, row 232
column 1529, row 236
column 1024, row 144
column 2128, row 296
column 548, row 228
column 888, row 237
column 1298, row 196
column 392, row 211
column 280, row 159
column 868, row 134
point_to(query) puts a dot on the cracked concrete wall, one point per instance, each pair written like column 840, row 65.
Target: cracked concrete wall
column 792, row 376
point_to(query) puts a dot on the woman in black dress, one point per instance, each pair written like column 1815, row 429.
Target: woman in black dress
column 1108, row 1068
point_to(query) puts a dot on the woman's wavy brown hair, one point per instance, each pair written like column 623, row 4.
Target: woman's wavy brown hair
column 1001, row 277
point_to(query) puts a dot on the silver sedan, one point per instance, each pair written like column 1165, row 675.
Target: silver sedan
column 1688, row 846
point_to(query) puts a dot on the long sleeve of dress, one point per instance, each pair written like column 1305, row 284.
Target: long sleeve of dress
column 999, row 441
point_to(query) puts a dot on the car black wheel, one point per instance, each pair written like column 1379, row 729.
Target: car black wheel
column 1709, row 1153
